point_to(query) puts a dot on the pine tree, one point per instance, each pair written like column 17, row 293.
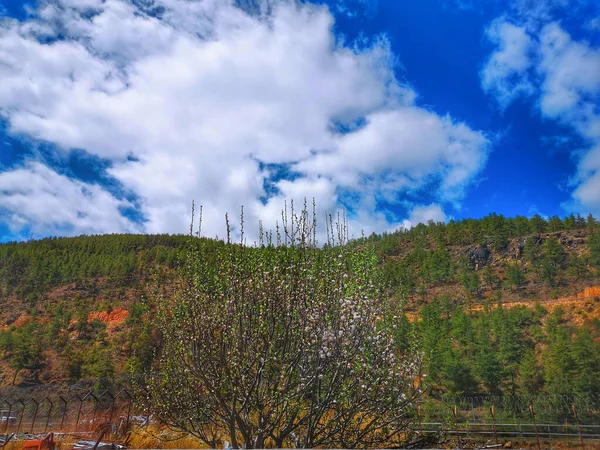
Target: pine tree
column 490, row 277
column 510, row 345
column 531, row 380
column 585, row 354
column 554, row 251
column 487, row 363
column 469, row 278
column 553, row 260
column 555, row 224
column 538, row 224
column 514, row 275
column 557, row 360
column 578, row 266
column 594, row 246
column 531, row 253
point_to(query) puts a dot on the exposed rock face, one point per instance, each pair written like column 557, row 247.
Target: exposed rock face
column 478, row 256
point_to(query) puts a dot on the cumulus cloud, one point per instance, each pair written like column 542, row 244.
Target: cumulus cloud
column 571, row 77
column 193, row 100
column 562, row 75
column 424, row 214
column 505, row 75
column 41, row 200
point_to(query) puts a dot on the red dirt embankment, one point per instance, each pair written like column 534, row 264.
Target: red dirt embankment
column 588, row 293
column 579, row 308
column 584, row 305
column 112, row 320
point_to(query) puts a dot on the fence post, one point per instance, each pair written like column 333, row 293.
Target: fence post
column 35, row 413
column 93, row 421
column 51, row 403
column 494, row 423
column 64, row 414
column 112, row 406
column 22, row 414
column 419, row 420
column 456, row 428
column 537, row 435
column 7, row 416
column 78, row 411
column 578, row 424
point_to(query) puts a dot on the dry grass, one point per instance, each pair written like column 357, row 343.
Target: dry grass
column 156, row 438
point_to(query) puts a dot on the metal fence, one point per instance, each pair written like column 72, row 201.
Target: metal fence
column 66, row 411
column 513, row 409
column 83, row 410
column 541, row 418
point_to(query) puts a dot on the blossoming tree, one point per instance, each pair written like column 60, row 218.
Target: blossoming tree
column 282, row 344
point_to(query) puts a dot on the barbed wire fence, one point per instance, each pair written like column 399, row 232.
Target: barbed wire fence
column 73, row 411
column 83, row 411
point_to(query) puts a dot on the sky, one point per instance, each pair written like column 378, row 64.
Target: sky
column 116, row 115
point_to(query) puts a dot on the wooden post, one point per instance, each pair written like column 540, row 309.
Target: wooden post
column 494, row 423
column 537, row 435
column 456, row 428
column 578, row 424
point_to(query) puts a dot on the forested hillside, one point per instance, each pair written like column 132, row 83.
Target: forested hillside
column 75, row 308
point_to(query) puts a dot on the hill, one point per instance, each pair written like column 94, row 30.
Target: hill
column 78, row 308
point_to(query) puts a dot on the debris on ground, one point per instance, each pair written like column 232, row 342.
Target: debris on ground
column 45, row 443
column 90, row 445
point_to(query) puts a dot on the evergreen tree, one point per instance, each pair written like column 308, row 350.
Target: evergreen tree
column 469, row 278
column 490, row 277
column 522, row 227
column 538, row 224
column 594, row 246
column 27, row 349
column 591, row 222
column 553, row 259
column 489, row 368
column 435, row 340
column 549, row 272
column 555, row 224
column 558, row 363
column 531, row 253
column 510, row 345
column 554, row 252
column 531, row 379
column 514, row 275
column 578, row 266
column 498, row 231
column 585, row 354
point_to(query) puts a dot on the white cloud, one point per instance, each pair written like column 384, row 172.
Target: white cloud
column 571, row 72
column 423, row 214
column 204, row 93
column 563, row 75
column 417, row 143
column 505, row 75
column 44, row 201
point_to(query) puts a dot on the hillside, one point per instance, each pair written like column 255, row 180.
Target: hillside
column 78, row 308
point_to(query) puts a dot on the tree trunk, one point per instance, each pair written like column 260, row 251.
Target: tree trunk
column 233, row 433
column 260, row 441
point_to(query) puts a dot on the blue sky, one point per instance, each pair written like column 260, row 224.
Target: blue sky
column 115, row 115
